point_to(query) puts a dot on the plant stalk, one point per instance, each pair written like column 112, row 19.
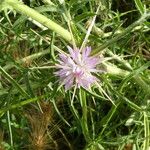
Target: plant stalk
column 24, row 9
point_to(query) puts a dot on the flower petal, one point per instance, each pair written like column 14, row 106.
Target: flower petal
column 91, row 62
column 86, row 52
column 77, row 67
column 68, row 81
column 63, row 57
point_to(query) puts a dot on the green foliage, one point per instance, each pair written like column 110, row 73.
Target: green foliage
column 35, row 110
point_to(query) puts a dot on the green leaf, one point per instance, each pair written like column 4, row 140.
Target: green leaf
column 146, row 130
column 47, row 8
column 140, row 6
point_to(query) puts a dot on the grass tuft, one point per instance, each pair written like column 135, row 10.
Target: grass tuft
column 35, row 110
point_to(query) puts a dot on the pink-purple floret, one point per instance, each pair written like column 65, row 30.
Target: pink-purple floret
column 76, row 68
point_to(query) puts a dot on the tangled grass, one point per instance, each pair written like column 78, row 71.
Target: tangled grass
column 35, row 110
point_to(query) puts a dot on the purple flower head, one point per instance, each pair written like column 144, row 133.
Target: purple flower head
column 77, row 67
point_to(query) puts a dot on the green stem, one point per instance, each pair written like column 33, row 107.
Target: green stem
column 120, row 60
column 105, row 121
column 23, row 86
column 146, row 132
column 84, row 122
column 30, row 58
column 14, row 82
column 142, row 84
column 24, row 9
column 58, row 112
column 72, row 108
column 115, row 71
column 10, row 129
column 22, row 103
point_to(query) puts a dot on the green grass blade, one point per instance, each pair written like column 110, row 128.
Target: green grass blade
column 140, row 6
column 84, row 120
column 146, row 144
column 13, row 82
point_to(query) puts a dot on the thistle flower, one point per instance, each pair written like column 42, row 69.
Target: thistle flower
column 76, row 68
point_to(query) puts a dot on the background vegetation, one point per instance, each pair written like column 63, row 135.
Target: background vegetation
column 37, row 113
